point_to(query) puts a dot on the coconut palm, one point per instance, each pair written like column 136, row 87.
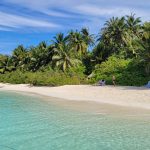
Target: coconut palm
column 145, row 46
column 133, row 24
column 19, row 56
column 77, row 42
column 113, row 34
column 6, row 64
column 42, row 45
column 63, row 58
column 132, row 35
column 89, row 39
column 39, row 56
column 59, row 39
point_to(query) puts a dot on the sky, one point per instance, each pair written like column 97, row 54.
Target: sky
column 29, row 22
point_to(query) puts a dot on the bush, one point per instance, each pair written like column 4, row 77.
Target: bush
column 127, row 72
column 48, row 78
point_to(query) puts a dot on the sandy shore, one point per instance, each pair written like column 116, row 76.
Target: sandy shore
column 138, row 97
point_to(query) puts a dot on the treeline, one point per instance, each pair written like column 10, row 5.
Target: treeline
column 122, row 48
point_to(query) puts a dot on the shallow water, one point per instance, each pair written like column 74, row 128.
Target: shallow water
column 30, row 123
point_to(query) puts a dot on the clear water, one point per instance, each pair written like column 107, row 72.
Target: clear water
column 28, row 123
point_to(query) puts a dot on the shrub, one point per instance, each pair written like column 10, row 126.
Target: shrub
column 127, row 72
column 48, row 78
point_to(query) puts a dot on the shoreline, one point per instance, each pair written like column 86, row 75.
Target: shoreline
column 124, row 96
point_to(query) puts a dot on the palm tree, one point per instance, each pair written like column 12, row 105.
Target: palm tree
column 34, row 62
column 145, row 46
column 42, row 52
column 77, row 42
column 6, row 64
column 19, row 56
column 113, row 34
column 89, row 39
column 39, row 56
column 42, row 45
column 59, row 39
column 63, row 58
column 100, row 53
column 133, row 34
column 133, row 24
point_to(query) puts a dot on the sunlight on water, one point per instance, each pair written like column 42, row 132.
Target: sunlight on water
column 29, row 123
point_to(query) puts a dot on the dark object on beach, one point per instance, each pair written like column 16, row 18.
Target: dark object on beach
column 102, row 82
column 114, row 80
column 148, row 84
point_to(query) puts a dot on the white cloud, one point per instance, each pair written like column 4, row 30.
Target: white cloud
column 15, row 21
column 86, row 7
column 97, row 11
column 43, row 6
column 89, row 11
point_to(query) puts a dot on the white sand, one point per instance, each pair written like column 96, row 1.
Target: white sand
column 121, row 95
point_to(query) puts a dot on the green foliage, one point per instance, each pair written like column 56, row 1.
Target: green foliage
column 122, row 49
column 79, row 41
column 127, row 72
column 88, row 63
column 120, row 36
column 48, row 78
column 63, row 58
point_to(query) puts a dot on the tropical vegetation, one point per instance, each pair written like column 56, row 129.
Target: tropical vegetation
column 122, row 48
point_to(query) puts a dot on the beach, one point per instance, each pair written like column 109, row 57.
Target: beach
column 137, row 97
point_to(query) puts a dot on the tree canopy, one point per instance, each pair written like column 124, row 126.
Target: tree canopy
column 125, row 39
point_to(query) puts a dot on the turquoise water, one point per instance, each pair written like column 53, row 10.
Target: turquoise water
column 28, row 123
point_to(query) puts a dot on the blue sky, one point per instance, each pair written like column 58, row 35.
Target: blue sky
column 28, row 22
